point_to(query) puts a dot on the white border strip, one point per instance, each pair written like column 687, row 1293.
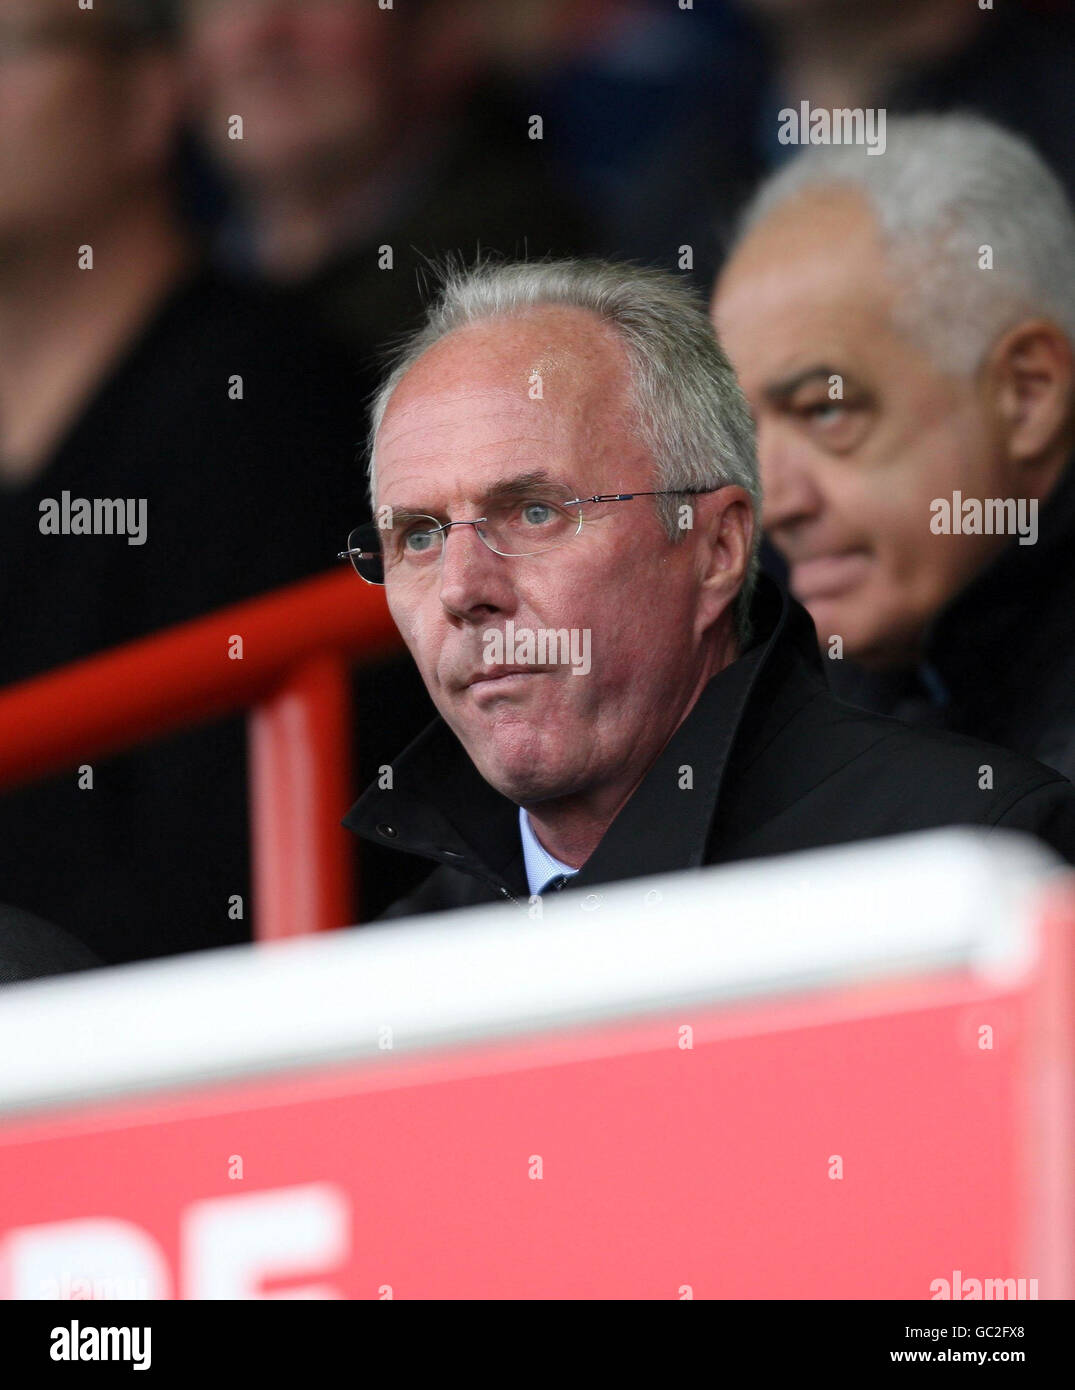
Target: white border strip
column 929, row 902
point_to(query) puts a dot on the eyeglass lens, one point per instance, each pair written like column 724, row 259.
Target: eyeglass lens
column 523, row 525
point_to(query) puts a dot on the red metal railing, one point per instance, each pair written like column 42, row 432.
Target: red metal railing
column 292, row 674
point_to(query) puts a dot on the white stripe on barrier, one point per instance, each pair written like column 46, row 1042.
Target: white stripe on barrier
column 931, row 901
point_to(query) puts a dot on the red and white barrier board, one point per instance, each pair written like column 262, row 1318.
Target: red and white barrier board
column 847, row 1074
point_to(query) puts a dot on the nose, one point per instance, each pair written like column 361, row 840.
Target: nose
column 474, row 581
column 790, row 491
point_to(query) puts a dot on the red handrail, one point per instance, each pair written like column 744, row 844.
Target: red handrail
column 290, row 669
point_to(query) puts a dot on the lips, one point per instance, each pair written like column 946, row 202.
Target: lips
column 826, row 576
column 497, row 673
column 493, row 678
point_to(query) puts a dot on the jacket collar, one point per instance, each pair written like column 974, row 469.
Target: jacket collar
column 438, row 805
column 990, row 615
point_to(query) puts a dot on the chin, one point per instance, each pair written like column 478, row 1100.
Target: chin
column 524, row 781
column 524, row 786
column 876, row 647
column 828, row 620
column 854, row 623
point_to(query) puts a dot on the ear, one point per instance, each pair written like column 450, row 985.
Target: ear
column 725, row 520
column 1029, row 376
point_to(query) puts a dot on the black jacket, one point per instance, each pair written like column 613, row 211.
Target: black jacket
column 778, row 764
column 999, row 659
column 146, row 863
column 31, row 948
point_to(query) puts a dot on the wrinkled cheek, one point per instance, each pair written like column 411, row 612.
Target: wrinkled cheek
column 413, row 631
column 403, row 615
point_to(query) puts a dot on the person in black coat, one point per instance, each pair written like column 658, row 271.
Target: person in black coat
column 904, row 329
column 565, row 487
column 220, row 424
column 374, row 140
column 778, row 763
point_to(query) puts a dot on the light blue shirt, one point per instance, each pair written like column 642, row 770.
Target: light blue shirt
column 541, row 866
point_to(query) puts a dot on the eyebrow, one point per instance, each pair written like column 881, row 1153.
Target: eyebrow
column 504, row 489
column 779, row 391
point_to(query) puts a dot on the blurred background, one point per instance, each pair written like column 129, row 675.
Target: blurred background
column 262, row 187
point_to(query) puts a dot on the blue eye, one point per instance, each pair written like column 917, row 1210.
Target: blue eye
column 537, row 513
column 419, row 542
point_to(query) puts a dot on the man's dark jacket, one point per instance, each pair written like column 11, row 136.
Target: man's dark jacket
column 31, row 948
column 999, row 659
column 775, row 762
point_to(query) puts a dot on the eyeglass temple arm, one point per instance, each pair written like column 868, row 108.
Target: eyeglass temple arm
column 598, row 497
column 629, row 496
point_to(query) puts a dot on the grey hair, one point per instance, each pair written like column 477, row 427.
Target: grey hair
column 945, row 187
column 688, row 410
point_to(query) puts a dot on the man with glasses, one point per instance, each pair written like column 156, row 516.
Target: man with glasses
column 563, row 448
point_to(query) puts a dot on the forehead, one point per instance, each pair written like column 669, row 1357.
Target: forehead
column 810, row 282
column 507, row 396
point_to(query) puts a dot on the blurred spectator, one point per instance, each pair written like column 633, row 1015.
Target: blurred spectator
column 1014, row 63
column 903, row 328
column 129, row 372
column 627, row 81
column 366, row 128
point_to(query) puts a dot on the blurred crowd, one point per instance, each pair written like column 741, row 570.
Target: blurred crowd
column 195, row 192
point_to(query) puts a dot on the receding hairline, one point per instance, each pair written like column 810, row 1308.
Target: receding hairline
column 606, row 340
column 604, row 331
column 818, row 205
column 886, row 288
column 950, row 188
